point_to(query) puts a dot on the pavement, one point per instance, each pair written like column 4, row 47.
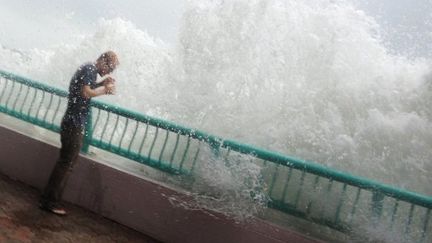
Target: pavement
column 22, row 221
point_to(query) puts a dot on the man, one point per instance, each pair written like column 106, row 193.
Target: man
column 82, row 88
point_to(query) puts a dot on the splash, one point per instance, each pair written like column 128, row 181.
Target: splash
column 233, row 187
column 310, row 79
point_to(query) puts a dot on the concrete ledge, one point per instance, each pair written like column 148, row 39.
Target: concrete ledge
column 135, row 202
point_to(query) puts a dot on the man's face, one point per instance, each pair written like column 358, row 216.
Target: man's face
column 106, row 67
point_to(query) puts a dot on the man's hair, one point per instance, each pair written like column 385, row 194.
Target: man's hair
column 109, row 57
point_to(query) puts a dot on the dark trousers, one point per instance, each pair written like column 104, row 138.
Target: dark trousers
column 71, row 141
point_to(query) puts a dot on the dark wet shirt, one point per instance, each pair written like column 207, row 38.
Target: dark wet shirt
column 78, row 106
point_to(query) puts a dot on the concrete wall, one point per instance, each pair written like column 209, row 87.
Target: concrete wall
column 135, row 202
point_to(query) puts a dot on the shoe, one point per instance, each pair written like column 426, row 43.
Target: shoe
column 53, row 208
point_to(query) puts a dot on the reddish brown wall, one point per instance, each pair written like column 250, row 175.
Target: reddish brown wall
column 129, row 200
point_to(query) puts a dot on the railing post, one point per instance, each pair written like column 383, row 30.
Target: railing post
column 215, row 147
column 377, row 205
column 88, row 133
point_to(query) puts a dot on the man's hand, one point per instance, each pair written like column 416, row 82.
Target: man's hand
column 109, row 85
column 108, row 80
column 110, row 89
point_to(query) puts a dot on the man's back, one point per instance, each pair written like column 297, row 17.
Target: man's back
column 78, row 105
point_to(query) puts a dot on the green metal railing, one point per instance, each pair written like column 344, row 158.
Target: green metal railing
column 322, row 195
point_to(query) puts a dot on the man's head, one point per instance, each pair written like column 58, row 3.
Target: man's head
column 106, row 63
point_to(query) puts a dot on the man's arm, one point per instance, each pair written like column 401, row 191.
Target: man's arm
column 105, row 81
column 88, row 92
column 106, row 86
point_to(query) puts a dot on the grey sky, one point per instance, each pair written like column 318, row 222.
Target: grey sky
column 406, row 24
column 23, row 20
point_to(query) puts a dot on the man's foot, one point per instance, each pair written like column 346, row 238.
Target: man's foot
column 53, row 208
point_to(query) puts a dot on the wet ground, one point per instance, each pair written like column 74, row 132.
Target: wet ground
column 22, row 221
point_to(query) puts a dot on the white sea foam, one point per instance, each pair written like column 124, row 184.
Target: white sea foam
column 311, row 79
column 233, row 187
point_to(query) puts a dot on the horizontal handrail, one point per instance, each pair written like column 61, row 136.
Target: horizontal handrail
column 274, row 157
column 33, row 84
column 330, row 173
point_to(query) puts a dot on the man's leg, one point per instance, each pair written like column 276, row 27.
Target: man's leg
column 71, row 140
